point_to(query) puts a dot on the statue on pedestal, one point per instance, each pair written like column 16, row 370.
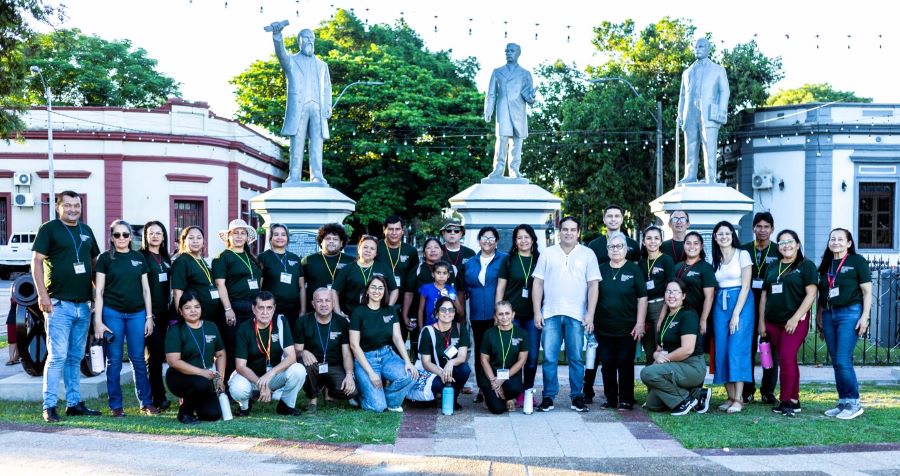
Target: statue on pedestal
column 308, row 105
column 509, row 90
column 702, row 109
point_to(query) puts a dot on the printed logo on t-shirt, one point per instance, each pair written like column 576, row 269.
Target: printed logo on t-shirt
column 85, row 237
column 516, row 340
column 465, row 260
column 627, row 277
column 770, row 259
column 292, row 262
column 454, row 341
column 275, row 338
column 691, row 274
column 656, row 270
column 136, row 263
column 387, row 318
column 340, row 265
column 403, row 258
column 846, row 269
column 209, row 339
column 334, row 335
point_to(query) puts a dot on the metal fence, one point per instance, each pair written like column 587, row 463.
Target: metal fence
column 881, row 344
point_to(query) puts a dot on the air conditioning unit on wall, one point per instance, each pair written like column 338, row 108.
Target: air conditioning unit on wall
column 763, row 181
column 22, row 179
column 23, row 199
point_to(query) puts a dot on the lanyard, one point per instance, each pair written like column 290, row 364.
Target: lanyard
column 756, row 257
column 780, row 271
column 448, row 336
column 833, row 277
column 282, row 258
column 682, row 256
column 505, row 352
column 458, row 254
column 158, row 260
column 616, row 271
column 391, row 258
column 685, row 268
column 332, row 273
column 268, row 350
column 201, row 349
column 324, row 343
column 651, row 265
column 667, row 325
column 76, row 243
column 246, row 262
column 202, row 265
column 371, row 269
column 529, row 269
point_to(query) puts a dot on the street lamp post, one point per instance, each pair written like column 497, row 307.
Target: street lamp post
column 659, row 129
column 364, row 83
column 52, row 196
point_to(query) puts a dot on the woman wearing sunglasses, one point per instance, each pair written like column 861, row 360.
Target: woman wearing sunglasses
column 444, row 348
column 123, row 306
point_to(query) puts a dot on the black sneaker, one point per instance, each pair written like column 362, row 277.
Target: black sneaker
column 748, row 399
column 188, row 419
column 546, row 405
column 684, row 407
column 50, row 415
column 81, row 410
column 242, row 413
column 578, row 404
column 625, row 407
column 780, row 407
column 608, row 405
column 588, row 399
column 283, row 409
column 787, row 411
column 795, row 407
column 703, row 401
column 769, row 399
column 479, row 398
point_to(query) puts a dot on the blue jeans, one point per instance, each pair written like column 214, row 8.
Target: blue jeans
column 839, row 327
column 396, row 381
column 67, row 328
column 126, row 327
column 732, row 350
column 534, row 341
column 557, row 328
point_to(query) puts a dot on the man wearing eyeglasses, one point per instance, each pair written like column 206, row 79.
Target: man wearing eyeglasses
column 565, row 290
column 456, row 253
column 613, row 217
column 764, row 252
column 679, row 221
column 65, row 257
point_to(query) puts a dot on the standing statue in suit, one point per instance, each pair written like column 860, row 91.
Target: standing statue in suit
column 702, row 109
column 308, row 105
column 511, row 87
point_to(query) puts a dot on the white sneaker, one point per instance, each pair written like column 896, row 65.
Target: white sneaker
column 836, row 410
column 851, row 412
column 395, row 409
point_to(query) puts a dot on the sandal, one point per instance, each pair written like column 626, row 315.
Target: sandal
column 737, row 407
column 725, row 406
column 14, row 362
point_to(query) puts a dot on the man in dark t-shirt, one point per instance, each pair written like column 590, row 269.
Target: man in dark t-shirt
column 65, row 254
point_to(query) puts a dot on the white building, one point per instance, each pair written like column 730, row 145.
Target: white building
column 821, row 166
column 179, row 164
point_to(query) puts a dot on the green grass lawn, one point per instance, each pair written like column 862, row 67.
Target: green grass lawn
column 337, row 423
column 3, row 343
column 758, row 427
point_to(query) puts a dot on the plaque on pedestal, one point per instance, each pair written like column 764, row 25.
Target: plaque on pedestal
column 303, row 209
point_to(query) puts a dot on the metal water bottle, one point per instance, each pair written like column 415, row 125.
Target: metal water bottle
column 528, row 403
column 447, row 400
column 224, row 404
column 765, row 354
column 590, row 357
column 98, row 361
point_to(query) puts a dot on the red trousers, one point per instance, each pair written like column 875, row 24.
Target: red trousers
column 786, row 346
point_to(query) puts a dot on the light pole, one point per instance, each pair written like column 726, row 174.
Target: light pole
column 659, row 134
column 364, row 83
column 51, row 208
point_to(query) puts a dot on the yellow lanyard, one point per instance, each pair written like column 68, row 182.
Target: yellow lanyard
column 371, row 268
column 332, row 273
column 662, row 335
column 529, row 269
column 651, row 265
column 504, row 353
column 756, row 256
column 202, row 265
column 391, row 258
column 780, row 271
column 246, row 262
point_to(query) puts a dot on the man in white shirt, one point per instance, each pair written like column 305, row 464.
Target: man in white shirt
column 565, row 290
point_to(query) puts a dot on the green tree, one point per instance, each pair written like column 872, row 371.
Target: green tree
column 403, row 147
column 15, row 29
column 820, row 92
column 86, row 70
column 597, row 142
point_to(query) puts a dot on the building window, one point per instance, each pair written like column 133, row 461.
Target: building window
column 254, row 221
column 876, row 215
column 186, row 213
column 4, row 218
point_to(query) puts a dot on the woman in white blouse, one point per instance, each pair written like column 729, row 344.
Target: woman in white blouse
column 732, row 315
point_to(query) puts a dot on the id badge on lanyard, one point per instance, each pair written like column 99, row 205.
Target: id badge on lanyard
column 286, row 278
column 323, row 368
column 252, row 284
column 80, row 268
column 757, row 284
column 213, row 292
column 163, row 277
column 502, row 374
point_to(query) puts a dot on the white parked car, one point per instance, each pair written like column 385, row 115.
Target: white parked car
column 15, row 256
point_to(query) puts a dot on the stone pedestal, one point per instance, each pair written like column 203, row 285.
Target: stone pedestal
column 303, row 208
column 505, row 203
column 707, row 204
column 23, row 387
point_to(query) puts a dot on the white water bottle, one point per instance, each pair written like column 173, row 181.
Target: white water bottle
column 590, row 357
column 98, row 361
column 528, row 404
column 225, row 406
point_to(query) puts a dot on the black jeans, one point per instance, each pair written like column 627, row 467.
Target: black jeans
column 512, row 388
column 332, row 380
column 617, row 356
column 155, row 355
column 769, row 376
column 242, row 313
column 198, row 395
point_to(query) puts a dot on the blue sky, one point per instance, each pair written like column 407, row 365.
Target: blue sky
column 203, row 43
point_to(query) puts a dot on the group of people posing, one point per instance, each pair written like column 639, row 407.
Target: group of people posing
column 263, row 328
